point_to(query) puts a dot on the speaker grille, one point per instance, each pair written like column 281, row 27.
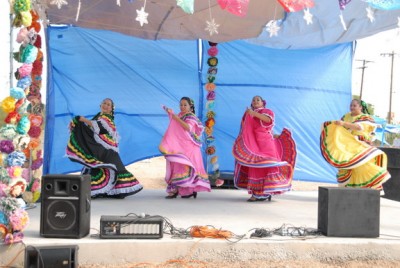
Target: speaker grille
column 61, row 215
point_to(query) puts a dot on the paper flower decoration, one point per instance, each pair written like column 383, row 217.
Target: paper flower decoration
column 12, row 118
column 17, row 93
column 210, row 150
column 210, row 122
column 23, row 125
column 24, row 70
column 6, row 146
column 19, row 219
column 22, row 5
column 24, row 82
column 16, row 159
column 8, row 104
column 212, row 51
column 213, row 61
column 210, row 95
column 34, row 132
column 210, row 86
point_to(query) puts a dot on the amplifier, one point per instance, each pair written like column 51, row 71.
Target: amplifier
column 131, row 227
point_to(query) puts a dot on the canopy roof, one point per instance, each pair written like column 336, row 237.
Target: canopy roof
column 166, row 20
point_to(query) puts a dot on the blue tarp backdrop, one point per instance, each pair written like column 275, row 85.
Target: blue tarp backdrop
column 303, row 87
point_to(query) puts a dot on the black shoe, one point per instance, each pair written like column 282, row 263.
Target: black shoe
column 253, row 199
column 171, row 196
column 189, row 196
column 97, row 196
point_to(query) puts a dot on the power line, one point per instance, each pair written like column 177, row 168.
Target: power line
column 362, row 74
column 392, row 54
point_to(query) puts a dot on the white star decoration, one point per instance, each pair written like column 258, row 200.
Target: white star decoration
column 59, row 3
column 370, row 14
column 273, row 28
column 308, row 16
column 212, row 27
column 142, row 16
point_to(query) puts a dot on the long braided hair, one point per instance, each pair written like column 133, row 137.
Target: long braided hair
column 191, row 104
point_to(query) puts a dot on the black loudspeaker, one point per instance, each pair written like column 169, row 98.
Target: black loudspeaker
column 51, row 256
column 65, row 206
column 348, row 212
column 392, row 186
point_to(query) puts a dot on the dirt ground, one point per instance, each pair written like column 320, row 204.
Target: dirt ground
column 150, row 173
column 258, row 264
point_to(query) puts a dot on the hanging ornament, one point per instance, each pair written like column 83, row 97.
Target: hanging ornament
column 236, row 7
column 342, row 21
column 296, row 5
column 212, row 26
column 384, row 4
column 142, row 15
column 273, row 28
column 212, row 165
column 78, row 11
column 343, row 3
column 186, row 5
column 58, row 3
column 308, row 16
column 370, row 14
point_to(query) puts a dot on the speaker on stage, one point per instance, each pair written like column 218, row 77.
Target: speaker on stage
column 65, row 206
column 348, row 212
column 392, row 186
column 51, row 256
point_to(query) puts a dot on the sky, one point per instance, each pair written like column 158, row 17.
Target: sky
column 377, row 74
column 376, row 81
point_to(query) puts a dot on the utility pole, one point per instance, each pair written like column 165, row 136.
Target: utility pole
column 392, row 54
column 362, row 74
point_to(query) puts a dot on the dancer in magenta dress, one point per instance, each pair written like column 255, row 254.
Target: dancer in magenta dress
column 264, row 164
column 181, row 147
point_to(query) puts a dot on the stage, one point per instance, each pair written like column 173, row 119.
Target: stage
column 226, row 210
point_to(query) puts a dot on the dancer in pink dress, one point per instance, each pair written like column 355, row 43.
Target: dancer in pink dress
column 264, row 164
column 185, row 175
